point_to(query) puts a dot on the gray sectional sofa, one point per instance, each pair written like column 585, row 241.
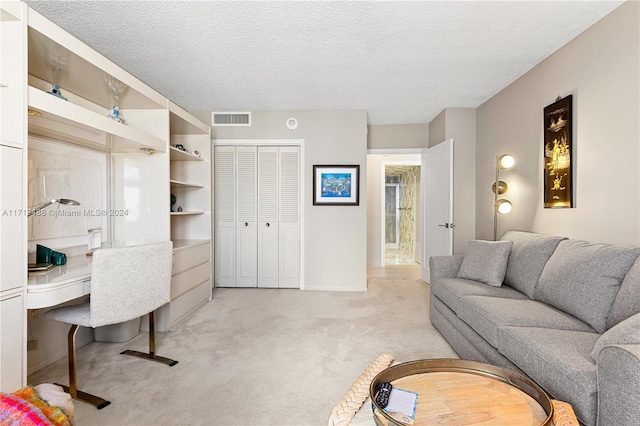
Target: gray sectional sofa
column 564, row 312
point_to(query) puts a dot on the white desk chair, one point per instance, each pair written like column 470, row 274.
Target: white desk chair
column 126, row 283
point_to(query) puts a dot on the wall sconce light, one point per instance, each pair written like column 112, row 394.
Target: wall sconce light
column 64, row 201
column 499, row 187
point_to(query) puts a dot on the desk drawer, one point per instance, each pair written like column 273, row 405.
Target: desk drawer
column 43, row 299
column 185, row 281
column 188, row 257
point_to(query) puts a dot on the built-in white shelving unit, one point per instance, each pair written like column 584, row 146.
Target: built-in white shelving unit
column 59, row 119
column 138, row 158
column 191, row 228
column 83, row 75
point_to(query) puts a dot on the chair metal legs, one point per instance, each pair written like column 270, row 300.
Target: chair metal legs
column 72, row 389
column 96, row 401
column 152, row 347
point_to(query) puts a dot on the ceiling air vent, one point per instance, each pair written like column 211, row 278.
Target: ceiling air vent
column 231, row 118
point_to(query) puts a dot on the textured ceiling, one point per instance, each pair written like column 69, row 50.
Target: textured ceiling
column 403, row 62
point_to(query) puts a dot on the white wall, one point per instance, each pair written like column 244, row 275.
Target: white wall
column 335, row 237
column 601, row 69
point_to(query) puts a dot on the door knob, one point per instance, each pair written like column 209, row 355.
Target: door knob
column 447, row 225
column 268, row 224
column 246, row 224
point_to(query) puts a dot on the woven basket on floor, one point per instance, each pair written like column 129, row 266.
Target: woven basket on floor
column 563, row 414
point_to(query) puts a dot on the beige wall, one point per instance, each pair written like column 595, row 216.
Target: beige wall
column 335, row 237
column 437, row 130
column 398, row 136
column 460, row 125
column 601, row 69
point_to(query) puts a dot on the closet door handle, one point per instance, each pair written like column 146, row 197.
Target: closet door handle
column 246, row 224
column 268, row 224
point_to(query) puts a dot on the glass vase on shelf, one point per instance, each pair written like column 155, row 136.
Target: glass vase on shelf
column 117, row 87
column 58, row 59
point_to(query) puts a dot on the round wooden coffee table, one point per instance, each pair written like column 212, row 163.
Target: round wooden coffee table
column 460, row 392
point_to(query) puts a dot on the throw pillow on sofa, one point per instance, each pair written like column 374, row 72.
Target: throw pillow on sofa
column 486, row 261
column 529, row 254
column 627, row 301
column 624, row 333
column 582, row 279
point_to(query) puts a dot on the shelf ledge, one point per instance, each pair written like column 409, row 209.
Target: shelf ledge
column 187, row 213
column 60, row 117
column 180, row 155
column 179, row 184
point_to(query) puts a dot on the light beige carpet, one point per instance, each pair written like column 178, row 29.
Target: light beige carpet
column 258, row 357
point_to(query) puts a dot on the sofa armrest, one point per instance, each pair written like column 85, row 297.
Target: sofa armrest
column 618, row 369
column 444, row 266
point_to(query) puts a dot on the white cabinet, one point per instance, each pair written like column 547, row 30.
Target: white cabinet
column 13, row 277
column 257, row 216
column 12, row 72
column 12, row 218
column 12, row 350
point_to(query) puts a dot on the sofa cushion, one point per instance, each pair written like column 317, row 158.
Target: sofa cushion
column 450, row 290
column 559, row 361
column 625, row 332
column 463, row 339
column 529, row 253
column 627, row 302
column 583, row 279
column 485, row 261
column 487, row 314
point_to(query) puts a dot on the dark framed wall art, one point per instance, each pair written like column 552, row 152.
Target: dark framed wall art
column 336, row 185
column 558, row 158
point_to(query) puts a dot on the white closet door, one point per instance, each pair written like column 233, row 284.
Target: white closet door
column 289, row 214
column 246, row 196
column 268, row 217
column 225, row 182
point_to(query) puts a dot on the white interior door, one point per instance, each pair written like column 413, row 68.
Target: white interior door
column 258, row 214
column 437, row 172
column 225, row 206
column 246, row 235
column 289, row 215
column 268, row 216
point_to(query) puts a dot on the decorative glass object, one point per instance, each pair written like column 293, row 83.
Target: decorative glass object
column 55, row 91
column 58, row 60
column 117, row 87
column 115, row 115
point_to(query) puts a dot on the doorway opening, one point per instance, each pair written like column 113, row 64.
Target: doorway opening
column 401, row 219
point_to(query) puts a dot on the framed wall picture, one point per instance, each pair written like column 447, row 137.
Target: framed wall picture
column 336, row 185
column 558, row 149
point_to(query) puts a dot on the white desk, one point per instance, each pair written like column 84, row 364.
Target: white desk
column 60, row 284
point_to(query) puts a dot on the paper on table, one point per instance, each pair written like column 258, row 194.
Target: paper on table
column 402, row 405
